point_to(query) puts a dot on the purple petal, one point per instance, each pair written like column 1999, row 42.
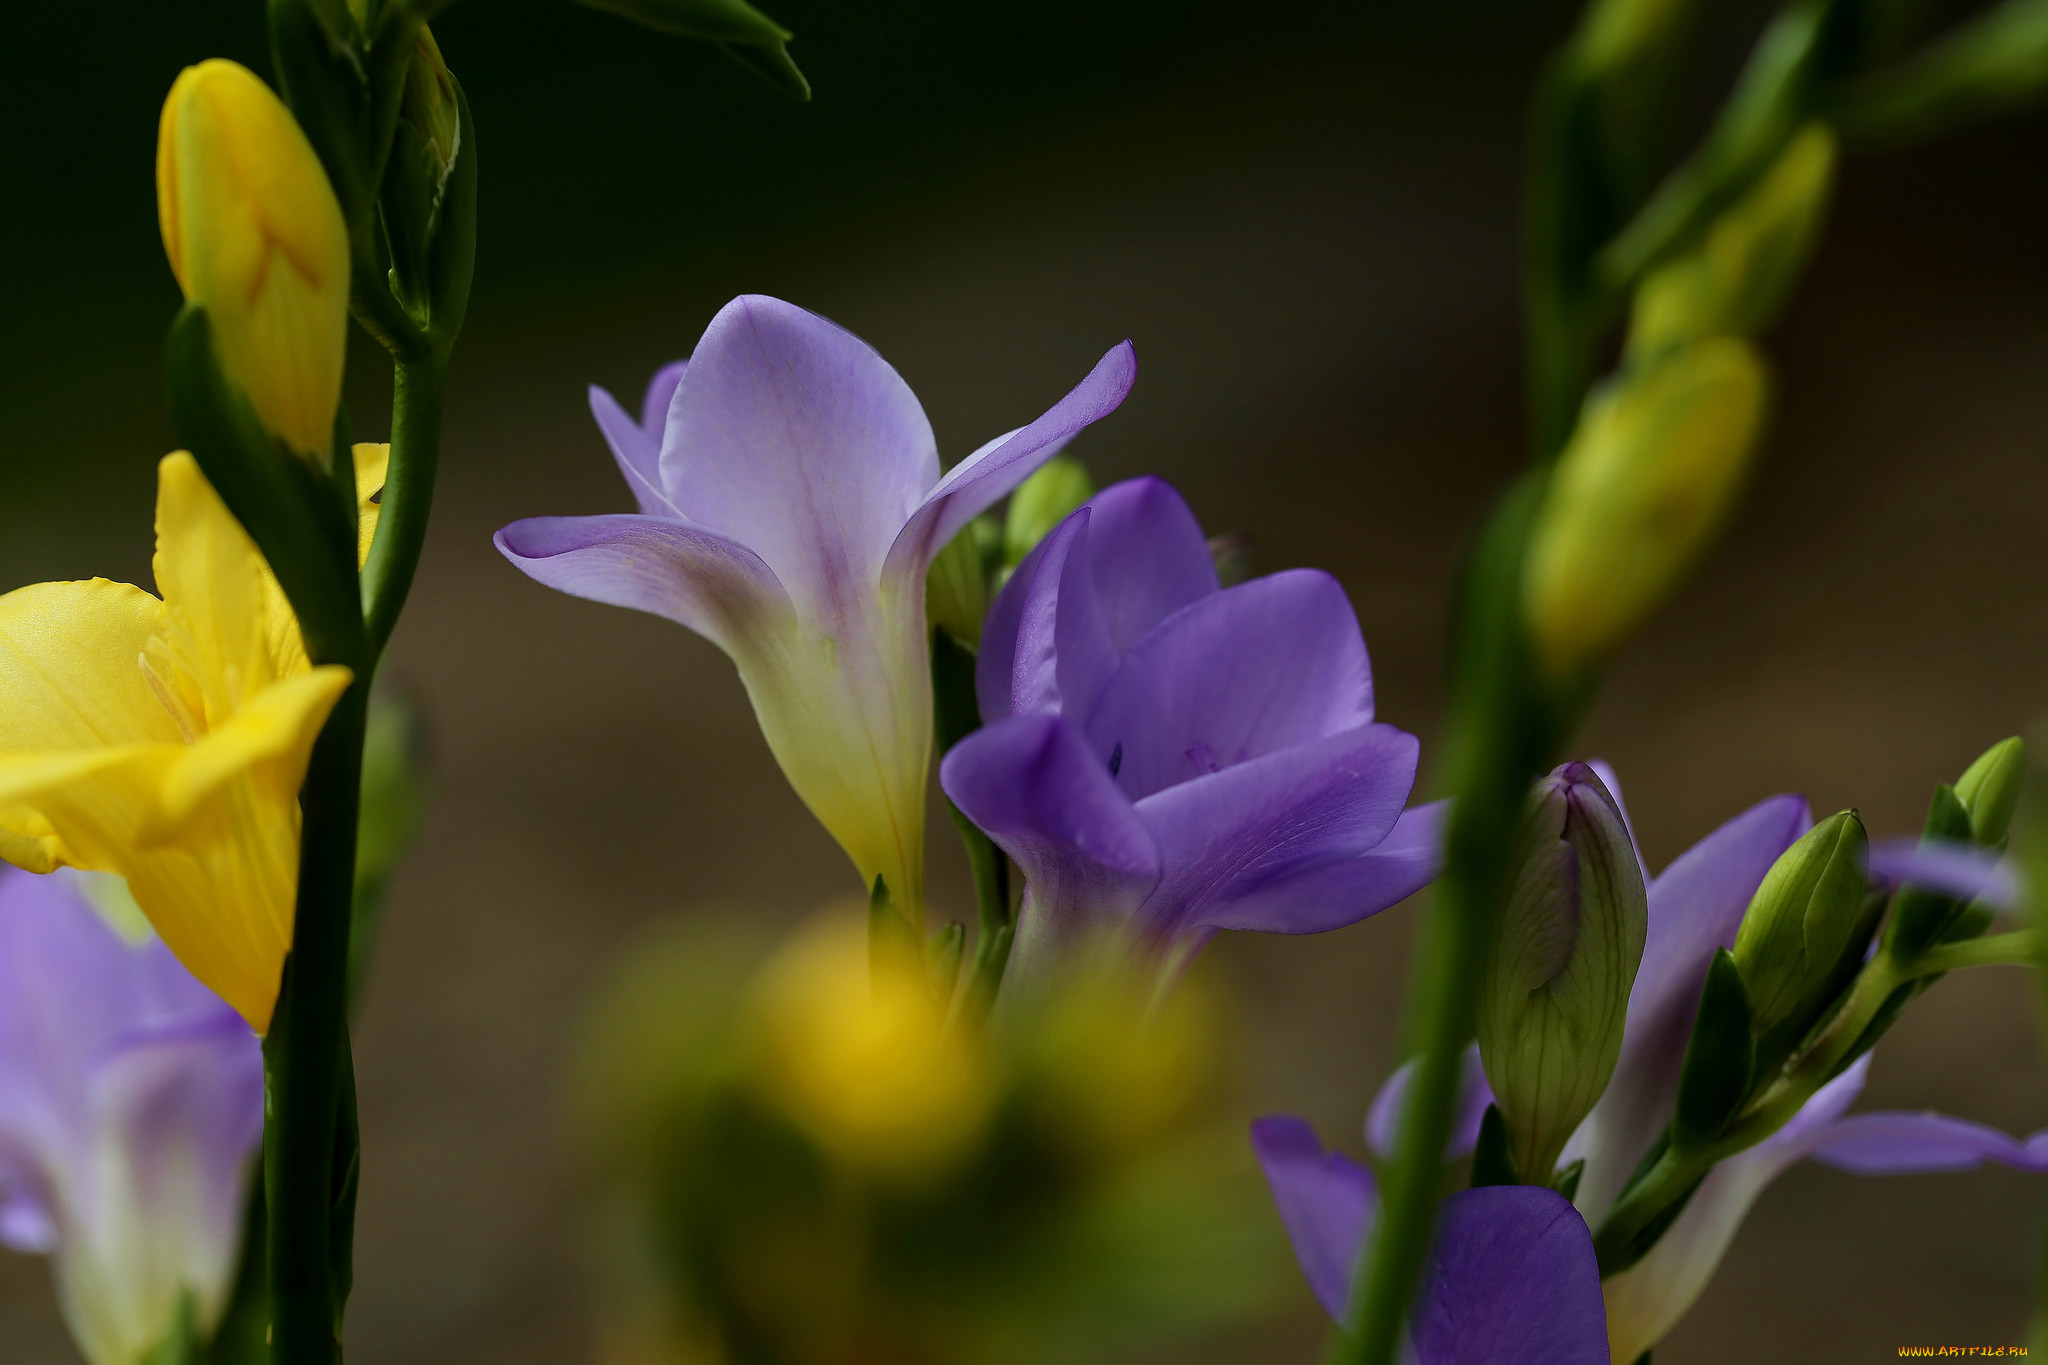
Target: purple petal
column 661, row 392
column 1512, row 1280
column 1957, row 870
column 1017, row 672
column 989, row 474
column 1908, row 1144
column 713, row 585
column 1274, row 844
column 792, row 437
column 1315, row 899
column 1239, row 674
column 637, row 452
column 1030, row 783
column 1696, row 904
column 1383, row 1120
column 1325, row 1200
column 1147, row 556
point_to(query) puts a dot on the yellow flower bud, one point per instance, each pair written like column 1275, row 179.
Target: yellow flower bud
column 1652, row 470
column 255, row 236
column 1747, row 261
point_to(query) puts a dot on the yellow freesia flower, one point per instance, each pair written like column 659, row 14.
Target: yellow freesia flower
column 165, row 740
column 255, row 235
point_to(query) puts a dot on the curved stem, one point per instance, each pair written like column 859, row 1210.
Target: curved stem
column 2021, row 948
column 418, row 387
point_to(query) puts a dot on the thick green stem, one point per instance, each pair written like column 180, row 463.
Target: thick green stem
column 418, row 387
column 305, row 1052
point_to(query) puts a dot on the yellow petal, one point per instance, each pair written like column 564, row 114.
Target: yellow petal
column 271, row 737
column 373, row 459
column 255, row 234
column 231, row 624
column 69, row 676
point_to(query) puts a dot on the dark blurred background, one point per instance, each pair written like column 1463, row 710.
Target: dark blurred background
column 1305, row 216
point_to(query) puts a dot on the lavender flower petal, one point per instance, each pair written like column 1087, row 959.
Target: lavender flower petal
column 1326, row 1201
column 637, row 452
column 660, row 395
column 989, row 474
column 1089, row 861
column 715, row 586
column 1275, row 843
column 1241, row 673
column 1512, row 1280
column 1953, row 869
column 1018, row 671
column 791, row 436
column 1909, row 1144
column 1383, row 1120
column 1147, row 558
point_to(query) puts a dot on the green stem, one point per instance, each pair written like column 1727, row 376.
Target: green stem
column 418, row 387
column 304, row 1054
column 1500, row 730
column 2021, row 948
column 955, row 715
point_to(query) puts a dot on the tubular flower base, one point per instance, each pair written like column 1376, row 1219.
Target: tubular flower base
column 165, row 740
column 131, row 1101
column 1165, row 757
column 790, row 503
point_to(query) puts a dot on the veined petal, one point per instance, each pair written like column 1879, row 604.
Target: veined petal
column 978, row 481
column 1329, row 895
column 1238, row 845
column 68, row 672
column 275, row 730
column 1696, row 904
column 697, row 578
column 1326, row 1201
column 793, row 437
column 1383, row 1120
column 637, row 451
column 1646, row 1301
column 1512, row 1280
column 1241, row 673
column 1030, row 783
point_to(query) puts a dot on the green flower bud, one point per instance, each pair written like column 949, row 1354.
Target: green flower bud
column 1042, row 502
column 1736, row 278
column 956, row 585
column 748, row 36
column 1561, row 964
column 424, row 149
column 1801, row 919
column 1990, row 789
column 1651, row 472
column 1616, row 33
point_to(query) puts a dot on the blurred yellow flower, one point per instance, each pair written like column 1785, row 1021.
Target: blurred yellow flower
column 255, row 235
column 165, row 740
column 859, row 1056
column 1651, row 472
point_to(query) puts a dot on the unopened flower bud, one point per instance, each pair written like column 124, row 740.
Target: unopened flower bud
column 255, row 236
column 424, row 149
column 1562, row 962
column 1615, row 33
column 1651, row 472
column 956, row 585
column 1746, row 263
column 1990, row 789
column 1801, row 918
column 1042, row 502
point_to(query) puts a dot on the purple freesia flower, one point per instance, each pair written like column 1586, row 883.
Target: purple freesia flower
column 1511, row 1279
column 1165, row 758
column 131, row 1104
column 1695, row 906
column 790, row 502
